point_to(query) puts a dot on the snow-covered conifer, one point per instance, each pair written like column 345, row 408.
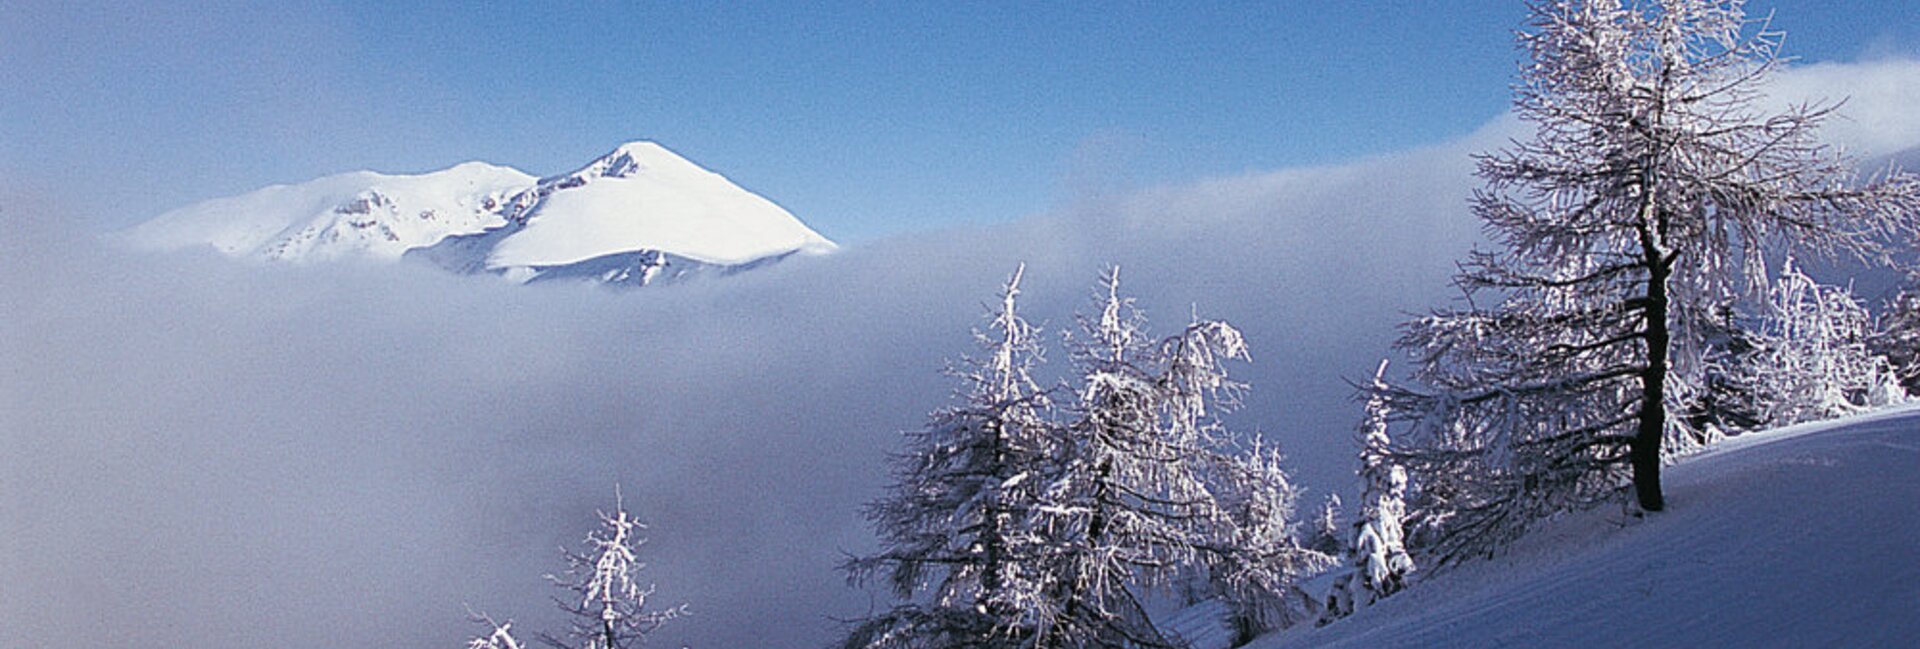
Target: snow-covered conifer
column 1256, row 558
column 1897, row 336
column 1327, row 536
column 607, row 606
column 1812, row 360
column 949, row 525
column 1378, row 562
column 1007, row 528
column 1148, row 491
column 1379, row 549
column 1646, row 200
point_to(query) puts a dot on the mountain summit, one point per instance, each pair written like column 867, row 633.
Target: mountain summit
column 636, row 215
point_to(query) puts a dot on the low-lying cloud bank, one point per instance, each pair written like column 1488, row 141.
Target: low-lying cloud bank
column 200, row 453
column 1876, row 102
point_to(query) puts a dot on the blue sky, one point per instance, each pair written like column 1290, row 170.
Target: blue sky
column 864, row 119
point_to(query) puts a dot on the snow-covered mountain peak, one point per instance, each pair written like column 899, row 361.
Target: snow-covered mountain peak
column 643, row 197
column 635, row 157
column 638, row 158
column 631, row 213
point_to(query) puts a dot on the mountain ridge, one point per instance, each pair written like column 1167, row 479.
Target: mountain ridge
column 637, row 214
column 356, row 214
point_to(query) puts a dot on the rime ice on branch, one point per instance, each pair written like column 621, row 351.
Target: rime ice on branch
column 607, row 606
column 498, row 636
column 1811, row 359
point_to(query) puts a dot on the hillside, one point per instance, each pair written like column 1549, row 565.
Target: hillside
column 1800, row 537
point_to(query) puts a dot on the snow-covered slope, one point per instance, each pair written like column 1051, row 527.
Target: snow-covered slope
column 635, row 215
column 1803, row 537
column 352, row 215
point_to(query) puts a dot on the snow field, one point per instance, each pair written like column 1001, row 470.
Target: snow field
column 1800, row 537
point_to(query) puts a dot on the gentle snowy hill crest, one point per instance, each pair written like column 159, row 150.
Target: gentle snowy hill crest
column 1790, row 538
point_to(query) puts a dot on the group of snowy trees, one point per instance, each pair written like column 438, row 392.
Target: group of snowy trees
column 1811, row 357
column 605, row 606
column 1629, row 283
column 1035, row 517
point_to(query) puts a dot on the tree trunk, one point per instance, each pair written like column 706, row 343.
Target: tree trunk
column 991, row 534
column 1644, row 451
column 1096, row 532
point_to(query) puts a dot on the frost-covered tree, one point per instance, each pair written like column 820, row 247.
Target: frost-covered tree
column 1327, row 536
column 1256, row 560
column 1897, row 335
column 1379, row 548
column 1812, row 360
column 1646, row 200
column 953, row 550
column 1009, row 527
column 607, row 606
column 1090, row 525
column 1378, row 562
column 1720, row 399
column 498, row 635
column 1147, row 489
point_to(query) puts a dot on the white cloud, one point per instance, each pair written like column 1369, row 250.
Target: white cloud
column 1879, row 115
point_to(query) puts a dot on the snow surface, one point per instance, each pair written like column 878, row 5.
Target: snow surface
column 643, row 197
column 360, row 214
column 1201, row 626
column 1800, row 537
